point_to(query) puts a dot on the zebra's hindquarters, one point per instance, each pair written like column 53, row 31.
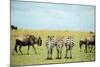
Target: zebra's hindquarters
column 69, row 45
column 59, row 46
column 50, row 46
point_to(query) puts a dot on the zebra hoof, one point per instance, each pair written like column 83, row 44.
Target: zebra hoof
column 65, row 57
column 50, row 58
column 90, row 51
column 57, row 58
column 60, row 57
column 70, row 57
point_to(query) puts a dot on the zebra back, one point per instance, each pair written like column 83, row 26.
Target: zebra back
column 69, row 41
column 50, row 42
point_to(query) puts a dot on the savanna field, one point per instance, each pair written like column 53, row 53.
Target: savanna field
column 40, row 57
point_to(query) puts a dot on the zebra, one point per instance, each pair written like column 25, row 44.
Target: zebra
column 50, row 46
column 69, row 45
column 59, row 44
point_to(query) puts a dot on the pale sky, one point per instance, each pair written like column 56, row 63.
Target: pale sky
column 50, row 16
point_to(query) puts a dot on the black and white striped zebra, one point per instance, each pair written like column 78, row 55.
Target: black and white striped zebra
column 59, row 44
column 50, row 46
column 69, row 43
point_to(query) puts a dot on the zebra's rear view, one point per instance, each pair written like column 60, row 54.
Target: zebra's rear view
column 69, row 45
column 59, row 45
column 50, row 46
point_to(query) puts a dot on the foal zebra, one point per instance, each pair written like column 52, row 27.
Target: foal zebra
column 69, row 44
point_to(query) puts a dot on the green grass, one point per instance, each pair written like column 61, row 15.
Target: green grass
column 40, row 57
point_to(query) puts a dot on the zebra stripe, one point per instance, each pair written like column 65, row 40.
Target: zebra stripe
column 70, row 42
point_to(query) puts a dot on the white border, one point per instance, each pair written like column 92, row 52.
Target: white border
column 4, row 33
column 85, row 2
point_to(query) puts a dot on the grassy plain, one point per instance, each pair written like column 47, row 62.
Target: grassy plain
column 40, row 57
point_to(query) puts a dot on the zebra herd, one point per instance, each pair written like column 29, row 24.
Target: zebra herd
column 52, row 42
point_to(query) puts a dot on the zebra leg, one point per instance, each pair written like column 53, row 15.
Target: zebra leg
column 70, row 53
column 51, row 54
column 57, row 54
column 60, row 53
column 48, row 54
column 20, row 49
column 66, row 53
